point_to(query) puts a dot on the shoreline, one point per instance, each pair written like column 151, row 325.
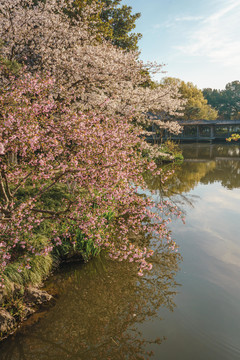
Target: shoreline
column 20, row 303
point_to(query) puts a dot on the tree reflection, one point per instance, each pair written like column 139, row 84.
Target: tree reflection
column 210, row 151
column 226, row 159
column 227, row 172
column 97, row 316
column 203, row 164
column 185, row 178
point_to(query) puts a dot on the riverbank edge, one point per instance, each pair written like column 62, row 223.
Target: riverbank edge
column 19, row 302
column 30, row 302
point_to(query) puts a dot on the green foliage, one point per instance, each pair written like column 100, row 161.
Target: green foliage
column 122, row 22
column 113, row 21
column 95, row 21
column 76, row 244
column 10, row 67
column 226, row 101
column 197, row 106
column 41, row 265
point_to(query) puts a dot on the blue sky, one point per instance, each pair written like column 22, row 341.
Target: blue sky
column 198, row 40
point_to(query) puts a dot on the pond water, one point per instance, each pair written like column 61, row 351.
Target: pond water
column 188, row 307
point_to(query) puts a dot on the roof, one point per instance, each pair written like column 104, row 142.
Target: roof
column 208, row 122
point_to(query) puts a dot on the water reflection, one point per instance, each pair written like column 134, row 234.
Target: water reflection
column 185, row 178
column 207, row 319
column 208, row 151
column 221, row 163
column 99, row 309
column 205, row 164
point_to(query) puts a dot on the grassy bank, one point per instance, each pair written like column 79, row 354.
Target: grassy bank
column 21, row 296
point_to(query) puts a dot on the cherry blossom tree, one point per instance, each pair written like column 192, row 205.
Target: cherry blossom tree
column 91, row 161
column 92, row 73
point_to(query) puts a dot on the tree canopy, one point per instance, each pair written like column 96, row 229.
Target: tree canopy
column 94, row 75
column 196, row 106
column 122, row 22
column 227, row 101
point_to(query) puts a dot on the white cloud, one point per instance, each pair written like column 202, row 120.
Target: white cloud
column 189, row 18
column 171, row 23
column 163, row 25
column 217, row 36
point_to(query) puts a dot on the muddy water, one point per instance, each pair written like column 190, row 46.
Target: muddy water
column 185, row 308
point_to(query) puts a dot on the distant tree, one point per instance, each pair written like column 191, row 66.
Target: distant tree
column 213, row 98
column 231, row 96
column 226, row 101
column 196, row 107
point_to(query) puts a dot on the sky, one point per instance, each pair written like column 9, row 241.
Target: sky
column 197, row 40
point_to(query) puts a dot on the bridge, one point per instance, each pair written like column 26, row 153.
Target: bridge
column 203, row 130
